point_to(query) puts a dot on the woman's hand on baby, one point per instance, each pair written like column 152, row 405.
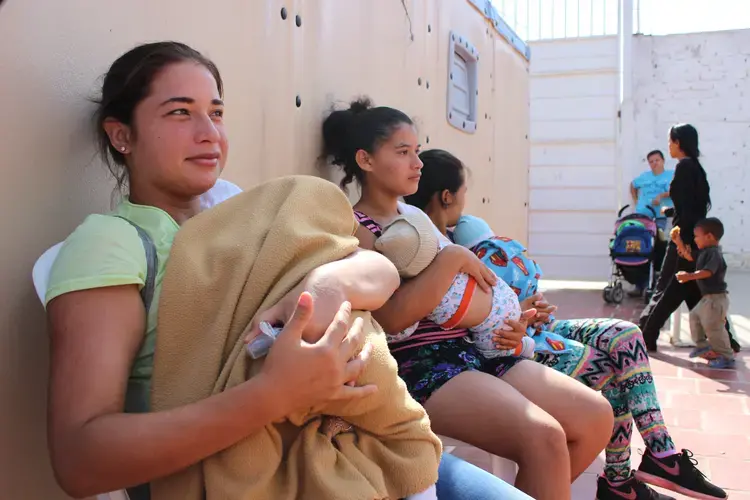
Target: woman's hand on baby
column 306, row 375
column 509, row 339
column 543, row 309
column 474, row 267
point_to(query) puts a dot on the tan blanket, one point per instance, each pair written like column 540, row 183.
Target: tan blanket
column 226, row 265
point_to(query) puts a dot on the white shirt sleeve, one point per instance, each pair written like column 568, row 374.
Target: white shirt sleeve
column 222, row 191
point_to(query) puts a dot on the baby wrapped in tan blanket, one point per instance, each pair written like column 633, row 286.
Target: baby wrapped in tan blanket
column 226, row 265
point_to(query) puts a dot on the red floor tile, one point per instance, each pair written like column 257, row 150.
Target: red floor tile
column 701, row 372
column 722, row 423
column 739, row 495
column 684, row 419
column 731, row 474
column 709, row 444
column 661, row 368
column 711, row 386
column 713, row 402
column 677, row 385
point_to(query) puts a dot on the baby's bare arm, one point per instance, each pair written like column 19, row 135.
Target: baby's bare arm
column 365, row 279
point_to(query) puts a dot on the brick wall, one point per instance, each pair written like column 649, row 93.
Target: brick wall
column 702, row 79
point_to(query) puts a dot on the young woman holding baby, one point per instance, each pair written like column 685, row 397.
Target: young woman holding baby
column 510, row 407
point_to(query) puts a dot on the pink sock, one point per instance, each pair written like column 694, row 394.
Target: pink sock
column 665, row 454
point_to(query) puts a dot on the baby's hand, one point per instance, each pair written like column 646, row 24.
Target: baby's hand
column 509, row 339
column 674, row 234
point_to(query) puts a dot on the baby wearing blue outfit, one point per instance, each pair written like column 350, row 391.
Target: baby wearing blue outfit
column 508, row 260
column 411, row 242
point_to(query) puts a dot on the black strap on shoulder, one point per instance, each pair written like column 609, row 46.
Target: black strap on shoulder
column 152, row 264
column 133, row 398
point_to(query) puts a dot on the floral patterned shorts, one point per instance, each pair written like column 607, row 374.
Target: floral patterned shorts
column 426, row 368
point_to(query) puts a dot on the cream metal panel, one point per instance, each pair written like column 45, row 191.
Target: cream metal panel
column 574, row 95
column 52, row 54
column 509, row 203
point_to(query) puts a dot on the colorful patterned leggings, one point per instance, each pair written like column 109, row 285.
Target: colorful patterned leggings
column 609, row 355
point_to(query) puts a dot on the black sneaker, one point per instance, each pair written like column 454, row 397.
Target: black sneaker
column 678, row 473
column 631, row 489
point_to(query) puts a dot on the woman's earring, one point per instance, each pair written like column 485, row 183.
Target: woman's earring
column 122, row 148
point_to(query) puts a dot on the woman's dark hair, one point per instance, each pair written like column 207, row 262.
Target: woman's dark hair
column 362, row 126
column 441, row 171
column 128, row 82
column 686, row 136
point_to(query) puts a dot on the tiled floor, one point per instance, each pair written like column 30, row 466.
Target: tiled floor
column 707, row 411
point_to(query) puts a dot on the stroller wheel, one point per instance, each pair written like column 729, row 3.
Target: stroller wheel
column 618, row 294
column 607, row 294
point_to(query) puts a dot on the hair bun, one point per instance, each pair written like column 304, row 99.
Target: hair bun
column 337, row 130
column 360, row 105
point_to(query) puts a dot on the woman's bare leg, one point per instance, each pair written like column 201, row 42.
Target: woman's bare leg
column 584, row 414
column 486, row 412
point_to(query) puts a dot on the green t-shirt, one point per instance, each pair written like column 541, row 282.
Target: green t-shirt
column 107, row 251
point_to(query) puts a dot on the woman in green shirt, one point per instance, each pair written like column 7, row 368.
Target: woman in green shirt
column 162, row 117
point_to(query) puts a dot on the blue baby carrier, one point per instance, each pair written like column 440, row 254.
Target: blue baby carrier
column 632, row 250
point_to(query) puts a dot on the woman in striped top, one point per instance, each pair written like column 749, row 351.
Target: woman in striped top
column 544, row 421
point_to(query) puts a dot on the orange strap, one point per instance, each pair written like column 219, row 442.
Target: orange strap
column 463, row 307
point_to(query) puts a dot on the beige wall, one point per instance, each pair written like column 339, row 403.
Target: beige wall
column 52, row 53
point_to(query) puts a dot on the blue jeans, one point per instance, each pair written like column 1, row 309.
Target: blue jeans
column 459, row 480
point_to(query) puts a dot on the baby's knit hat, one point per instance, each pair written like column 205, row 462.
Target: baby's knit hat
column 410, row 242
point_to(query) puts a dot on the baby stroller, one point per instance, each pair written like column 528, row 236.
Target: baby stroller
column 633, row 253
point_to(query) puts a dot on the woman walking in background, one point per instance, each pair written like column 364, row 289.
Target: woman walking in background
column 690, row 194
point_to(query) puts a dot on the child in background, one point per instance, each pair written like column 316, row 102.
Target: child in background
column 708, row 317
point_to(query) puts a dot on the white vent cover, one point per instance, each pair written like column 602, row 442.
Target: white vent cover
column 463, row 61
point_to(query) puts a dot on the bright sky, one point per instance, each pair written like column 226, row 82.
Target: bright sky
column 662, row 17
column 534, row 19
